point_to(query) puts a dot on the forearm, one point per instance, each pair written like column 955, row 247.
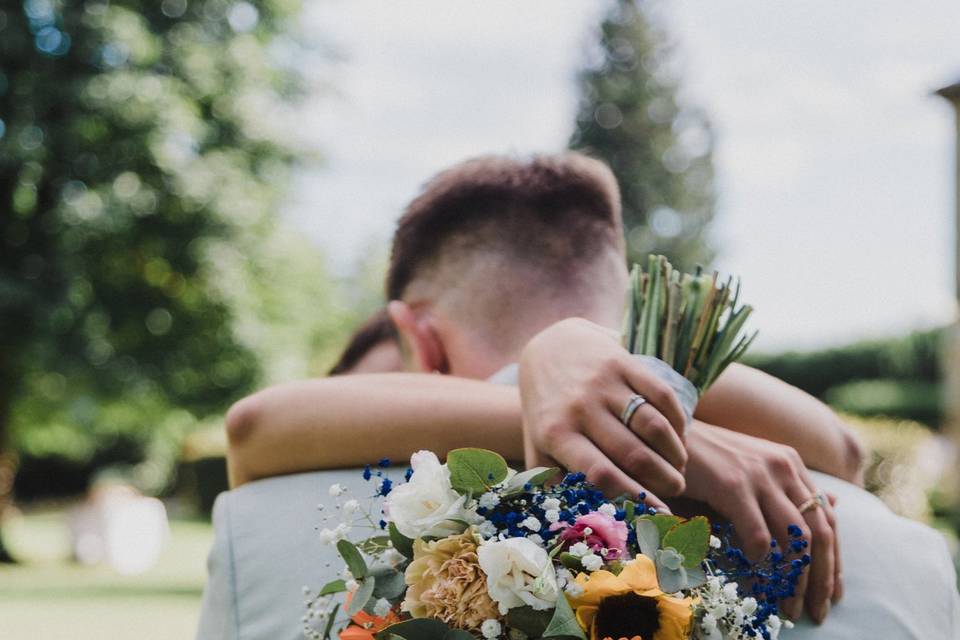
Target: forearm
column 751, row 402
column 353, row 420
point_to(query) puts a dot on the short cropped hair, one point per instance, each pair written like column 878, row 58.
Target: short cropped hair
column 516, row 225
column 377, row 330
column 555, row 210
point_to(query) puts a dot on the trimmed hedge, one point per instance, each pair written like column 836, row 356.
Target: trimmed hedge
column 897, row 377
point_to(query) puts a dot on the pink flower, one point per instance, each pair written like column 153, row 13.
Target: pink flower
column 607, row 536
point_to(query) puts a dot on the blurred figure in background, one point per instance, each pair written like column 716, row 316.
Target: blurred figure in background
column 118, row 525
column 373, row 348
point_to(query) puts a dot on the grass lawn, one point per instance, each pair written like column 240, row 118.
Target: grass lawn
column 48, row 598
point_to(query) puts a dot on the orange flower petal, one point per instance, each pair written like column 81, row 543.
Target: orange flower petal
column 355, row 633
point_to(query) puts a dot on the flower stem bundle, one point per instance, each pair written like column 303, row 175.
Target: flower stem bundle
column 687, row 320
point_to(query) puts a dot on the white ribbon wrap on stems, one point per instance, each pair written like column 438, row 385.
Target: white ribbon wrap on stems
column 686, row 392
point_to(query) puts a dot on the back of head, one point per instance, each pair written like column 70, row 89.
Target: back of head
column 372, row 348
column 506, row 245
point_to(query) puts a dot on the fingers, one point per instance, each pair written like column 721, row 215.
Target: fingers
column 837, row 558
column 654, row 429
column 632, row 456
column 658, row 393
column 781, row 512
column 822, row 568
column 742, row 509
column 578, row 452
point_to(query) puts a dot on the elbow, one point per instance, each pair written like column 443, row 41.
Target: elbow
column 241, row 420
column 854, row 455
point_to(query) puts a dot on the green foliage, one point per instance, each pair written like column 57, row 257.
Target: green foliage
column 401, row 543
column 529, row 620
column 691, row 539
column 659, row 148
column 335, row 586
column 361, row 596
column 563, row 624
column 415, row 629
column 896, row 377
column 475, row 470
column 915, row 357
column 908, row 399
column 535, row 477
column 142, row 271
column 353, row 559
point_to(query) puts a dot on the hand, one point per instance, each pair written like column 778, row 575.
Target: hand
column 758, row 485
column 575, row 380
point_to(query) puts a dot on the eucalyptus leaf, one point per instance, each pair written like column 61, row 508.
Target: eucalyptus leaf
column 374, row 545
column 671, row 580
column 691, row 539
column 475, row 470
column 664, row 522
column 564, row 624
column 329, row 627
column 401, row 543
column 361, row 596
column 416, row 629
column 390, row 584
column 571, row 561
column 648, row 537
column 535, row 477
column 529, row 620
column 334, row 586
column 351, row 555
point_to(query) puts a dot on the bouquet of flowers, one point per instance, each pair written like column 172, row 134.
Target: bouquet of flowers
column 472, row 549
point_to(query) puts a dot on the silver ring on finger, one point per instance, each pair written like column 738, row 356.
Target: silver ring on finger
column 636, row 401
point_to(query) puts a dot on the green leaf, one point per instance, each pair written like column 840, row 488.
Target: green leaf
column 691, row 539
column 664, row 522
column 361, row 596
column 648, row 537
column 390, row 583
column 671, row 580
column 563, row 624
column 529, row 620
column 416, row 629
column 333, row 615
column 351, row 555
column 475, row 470
column 535, row 476
column 335, row 586
column 458, row 634
column 630, row 509
column 571, row 561
column 401, row 543
column 374, row 545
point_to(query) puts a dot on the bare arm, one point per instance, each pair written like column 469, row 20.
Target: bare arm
column 751, row 402
column 353, row 420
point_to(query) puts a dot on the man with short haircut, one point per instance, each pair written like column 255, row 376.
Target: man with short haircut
column 458, row 311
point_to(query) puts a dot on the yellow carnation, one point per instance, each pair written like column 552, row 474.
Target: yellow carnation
column 445, row 582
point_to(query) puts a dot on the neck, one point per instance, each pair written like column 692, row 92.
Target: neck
column 472, row 355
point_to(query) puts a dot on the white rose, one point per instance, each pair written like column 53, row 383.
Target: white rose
column 425, row 505
column 518, row 573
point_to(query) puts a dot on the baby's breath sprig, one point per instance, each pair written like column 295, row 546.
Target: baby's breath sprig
column 687, row 320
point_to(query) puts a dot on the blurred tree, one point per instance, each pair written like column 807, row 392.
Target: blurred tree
column 659, row 149
column 137, row 139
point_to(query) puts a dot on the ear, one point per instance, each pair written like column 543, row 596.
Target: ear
column 425, row 348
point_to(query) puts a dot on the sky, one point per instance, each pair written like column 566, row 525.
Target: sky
column 834, row 163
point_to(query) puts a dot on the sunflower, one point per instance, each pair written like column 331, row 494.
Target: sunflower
column 630, row 605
